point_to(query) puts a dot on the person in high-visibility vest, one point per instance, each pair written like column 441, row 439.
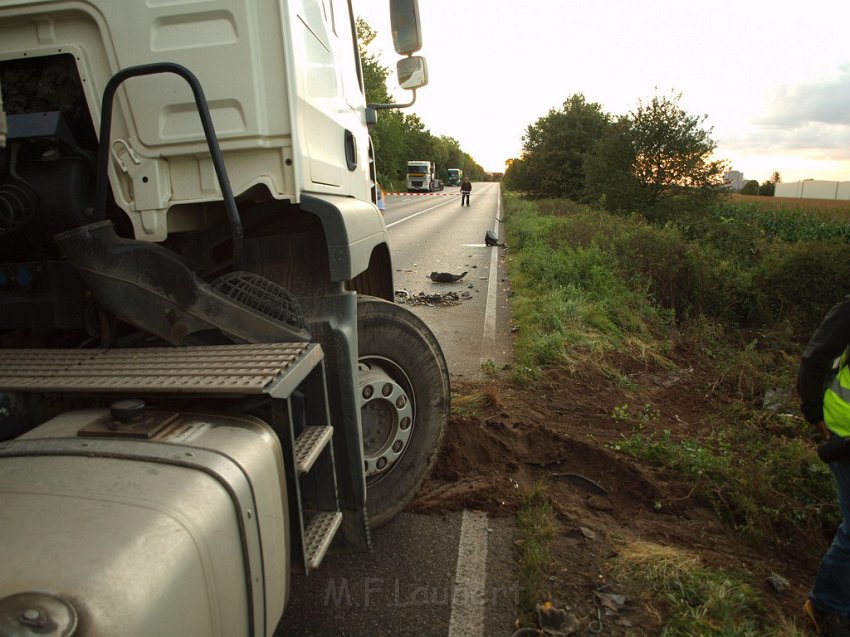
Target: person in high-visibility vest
column 823, row 384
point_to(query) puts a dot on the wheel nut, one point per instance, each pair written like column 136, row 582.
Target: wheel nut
column 405, row 423
column 33, row 617
column 387, row 389
column 397, row 445
column 382, row 462
column 401, row 402
column 367, row 392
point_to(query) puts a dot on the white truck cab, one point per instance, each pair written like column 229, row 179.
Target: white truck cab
column 204, row 382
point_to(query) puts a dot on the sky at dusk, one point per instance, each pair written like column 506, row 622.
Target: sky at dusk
column 773, row 78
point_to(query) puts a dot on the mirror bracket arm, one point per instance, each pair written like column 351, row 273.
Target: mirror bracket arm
column 386, row 106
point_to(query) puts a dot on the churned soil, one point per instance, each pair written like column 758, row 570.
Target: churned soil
column 561, row 433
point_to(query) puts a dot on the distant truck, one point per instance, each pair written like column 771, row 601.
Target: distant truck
column 422, row 176
column 455, row 176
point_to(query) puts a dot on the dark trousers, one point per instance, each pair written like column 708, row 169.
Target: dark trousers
column 464, row 197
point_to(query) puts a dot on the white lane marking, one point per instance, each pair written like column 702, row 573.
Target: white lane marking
column 468, row 597
column 421, row 212
column 488, row 343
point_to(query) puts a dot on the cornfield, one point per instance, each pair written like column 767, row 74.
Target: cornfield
column 787, row 219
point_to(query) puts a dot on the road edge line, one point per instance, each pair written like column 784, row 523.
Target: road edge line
column 488, row 342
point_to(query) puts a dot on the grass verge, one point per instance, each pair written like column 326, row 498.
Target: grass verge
column 535, row 529
column 720, row 292
column 701, row 601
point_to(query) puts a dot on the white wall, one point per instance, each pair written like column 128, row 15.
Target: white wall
column 790, row 189
column 814, row 189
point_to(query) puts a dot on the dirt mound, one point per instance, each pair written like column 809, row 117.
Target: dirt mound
column 490, row 463
column 562, row 434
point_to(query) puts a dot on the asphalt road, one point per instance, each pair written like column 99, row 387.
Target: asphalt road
column 433, row 233
column 441, row 576
column 427, row 576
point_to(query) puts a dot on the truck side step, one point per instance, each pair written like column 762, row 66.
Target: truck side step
column 319, row 534
column 309, row 445
column 306, row 434
column 272, row 369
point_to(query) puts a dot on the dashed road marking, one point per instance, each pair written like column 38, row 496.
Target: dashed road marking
column 467, row 617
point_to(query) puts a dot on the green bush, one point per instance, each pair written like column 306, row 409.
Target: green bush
column 658, row 258
column 738, row 239
column 799, row 282
column 720, row 286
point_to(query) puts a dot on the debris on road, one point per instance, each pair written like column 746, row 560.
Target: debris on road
column 446, row 277
column 407, row 297
column 492, row 240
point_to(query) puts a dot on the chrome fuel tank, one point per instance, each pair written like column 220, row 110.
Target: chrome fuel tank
column 183, row 531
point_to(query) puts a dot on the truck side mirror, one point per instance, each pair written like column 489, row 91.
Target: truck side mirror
column 407, row 38
column 406, row 27
column 412, row 72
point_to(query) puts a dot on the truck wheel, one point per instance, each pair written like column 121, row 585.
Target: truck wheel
column 404, row 403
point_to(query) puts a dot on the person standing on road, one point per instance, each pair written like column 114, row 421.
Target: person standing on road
column 380, row 197
column 465, row 189
column 824, row 391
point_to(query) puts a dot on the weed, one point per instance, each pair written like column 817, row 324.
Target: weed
column 621, row 413
column 491, row 369
column 643, row 416
column 787, row 487
column 702, row 601
column 535, row 529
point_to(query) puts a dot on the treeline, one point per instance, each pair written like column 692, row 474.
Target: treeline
column 398, row 136
column 650, row 160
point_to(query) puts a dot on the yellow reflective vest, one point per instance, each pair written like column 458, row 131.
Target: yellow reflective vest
column 836, row 400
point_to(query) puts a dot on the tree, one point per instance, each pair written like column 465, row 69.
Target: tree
column 388, row 134
column 515, row 177
column 665, row 151
column 610, row 180
column 398, row 137
column 554, row 147
column 750, row 188
column 672, row 151
column 374, row 74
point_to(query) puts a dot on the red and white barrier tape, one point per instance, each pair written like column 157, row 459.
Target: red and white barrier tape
column 417, row 194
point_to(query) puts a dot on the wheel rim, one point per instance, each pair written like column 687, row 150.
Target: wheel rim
column 387, row 415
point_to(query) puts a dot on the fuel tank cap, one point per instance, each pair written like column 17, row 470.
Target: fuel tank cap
column 30, row 614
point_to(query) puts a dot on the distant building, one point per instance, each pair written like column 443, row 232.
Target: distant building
column 814, row 189
column 734, row 179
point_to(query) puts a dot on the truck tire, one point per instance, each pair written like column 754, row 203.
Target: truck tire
column 404, row 403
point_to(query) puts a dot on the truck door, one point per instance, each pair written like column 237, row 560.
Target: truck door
column 332, row 128
column 320, row 91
